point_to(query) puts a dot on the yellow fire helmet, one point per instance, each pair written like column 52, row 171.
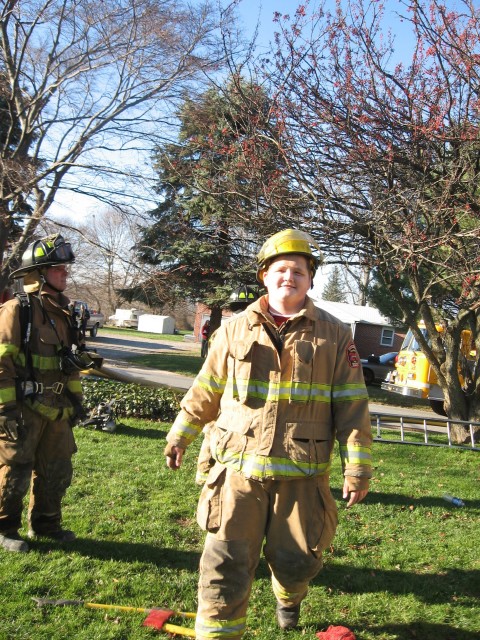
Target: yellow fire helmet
column 285, row 242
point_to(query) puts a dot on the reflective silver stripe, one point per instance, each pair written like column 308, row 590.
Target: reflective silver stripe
column 51, row 413
column 220, row 628
column 185, row 429
column 211, row 383
column 284, row 390
column 8, row 349
column 353, row 454
column 261, row 467
column 350, row 392
column 276, row 391
column 8, row 394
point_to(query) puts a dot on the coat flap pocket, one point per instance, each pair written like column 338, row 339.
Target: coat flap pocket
column 309, row 430
column 304, row 350
column 214, row 473
column 233, row 422
column 242, row 350
column 48, row 336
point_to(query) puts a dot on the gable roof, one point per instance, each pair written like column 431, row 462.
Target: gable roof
column 352, row 313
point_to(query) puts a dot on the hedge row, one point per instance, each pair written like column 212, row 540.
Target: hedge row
column 132, row 400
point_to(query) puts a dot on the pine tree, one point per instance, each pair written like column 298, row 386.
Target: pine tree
column 334, row 290
column 221, row 187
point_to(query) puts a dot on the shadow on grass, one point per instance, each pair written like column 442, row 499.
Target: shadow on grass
column 124, row 551
column 127, row 344
column 429, row 587
column 134, row 432
column 407, row 501
column 450, row 585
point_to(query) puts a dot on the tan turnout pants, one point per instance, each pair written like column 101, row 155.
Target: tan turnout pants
column 296, row 518
column 41, row 460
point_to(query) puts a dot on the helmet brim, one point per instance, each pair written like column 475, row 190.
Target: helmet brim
column 20, row 273
column 314, row 263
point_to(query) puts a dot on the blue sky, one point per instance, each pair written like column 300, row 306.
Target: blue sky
column 263, row 10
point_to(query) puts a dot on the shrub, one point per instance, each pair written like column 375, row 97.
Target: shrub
column 132, row 400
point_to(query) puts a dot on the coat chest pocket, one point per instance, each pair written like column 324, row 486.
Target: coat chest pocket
column 241, row 365
column 302, row 371
column 46, row 336
column 49, row 345
column 251, row 365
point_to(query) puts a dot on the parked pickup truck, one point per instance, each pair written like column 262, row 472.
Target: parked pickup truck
column 94, row 320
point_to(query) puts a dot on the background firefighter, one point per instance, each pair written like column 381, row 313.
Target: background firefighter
column 205, row 338
column 40, row 395
column 281, row 382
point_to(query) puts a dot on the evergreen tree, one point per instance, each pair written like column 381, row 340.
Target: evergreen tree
column 222, row 189
column 379, row 297
column 334, row 290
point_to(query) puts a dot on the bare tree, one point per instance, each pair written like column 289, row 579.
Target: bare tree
column 104, row 261
column 85, row 86
column 104, row 257
column 388, row 155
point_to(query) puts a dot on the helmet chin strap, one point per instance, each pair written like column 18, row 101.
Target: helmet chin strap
column 44, row 281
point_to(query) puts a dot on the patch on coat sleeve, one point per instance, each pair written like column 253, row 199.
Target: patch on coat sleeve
column 353, row 358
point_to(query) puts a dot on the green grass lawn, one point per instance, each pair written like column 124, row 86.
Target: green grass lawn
column 403, row 566
column 188, row 364
column 177, row 337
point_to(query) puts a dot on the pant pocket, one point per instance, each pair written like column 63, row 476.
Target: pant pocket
column 324, row 520
column 209, row 509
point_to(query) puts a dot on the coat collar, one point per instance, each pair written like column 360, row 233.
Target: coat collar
column 257, row 312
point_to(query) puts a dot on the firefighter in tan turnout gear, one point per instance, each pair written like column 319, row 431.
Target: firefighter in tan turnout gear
column 281, row 382
column 40, row 395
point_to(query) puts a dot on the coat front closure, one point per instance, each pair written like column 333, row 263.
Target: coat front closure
column 277, row 409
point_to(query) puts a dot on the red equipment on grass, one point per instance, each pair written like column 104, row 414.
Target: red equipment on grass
column 157, row 617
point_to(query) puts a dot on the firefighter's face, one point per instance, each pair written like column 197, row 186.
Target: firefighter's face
column 288, row 279
column 56, row 276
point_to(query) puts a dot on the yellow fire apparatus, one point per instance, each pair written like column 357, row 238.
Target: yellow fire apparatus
column 414, row 376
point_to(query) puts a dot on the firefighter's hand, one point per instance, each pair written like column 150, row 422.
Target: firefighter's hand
column 174, row 459
column 353, row 496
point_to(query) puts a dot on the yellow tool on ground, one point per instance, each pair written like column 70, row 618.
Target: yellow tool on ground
column 157, row 616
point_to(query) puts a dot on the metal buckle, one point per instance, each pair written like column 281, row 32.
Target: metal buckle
column 57, row 387
column 30, row 387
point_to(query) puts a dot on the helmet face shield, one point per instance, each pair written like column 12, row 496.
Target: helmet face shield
column 53, row 251
column 46, row 252
column 62, row 253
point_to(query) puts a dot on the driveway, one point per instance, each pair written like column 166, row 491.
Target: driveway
column 113, row 346
column 116, row 349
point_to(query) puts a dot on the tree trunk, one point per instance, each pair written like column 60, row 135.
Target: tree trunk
column 215, row 318
column 460, row 407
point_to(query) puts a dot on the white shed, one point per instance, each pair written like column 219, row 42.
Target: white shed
column 126, row 317
column 156, row 324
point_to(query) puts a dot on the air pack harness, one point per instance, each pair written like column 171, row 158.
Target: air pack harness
column 70, row 361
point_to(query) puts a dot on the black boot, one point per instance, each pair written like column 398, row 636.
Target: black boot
column 287, row 617
column 13, row 542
